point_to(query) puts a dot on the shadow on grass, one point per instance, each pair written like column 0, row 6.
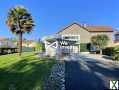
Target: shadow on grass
column 89, row 75
column 25, row 75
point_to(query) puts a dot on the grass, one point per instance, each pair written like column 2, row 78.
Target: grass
column 24, row 73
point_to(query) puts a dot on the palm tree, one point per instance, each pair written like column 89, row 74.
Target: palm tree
column 19, row 21
column 100, row 41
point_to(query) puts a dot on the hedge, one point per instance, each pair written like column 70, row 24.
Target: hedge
column 108, row 51
column 84, row 47
column 116, row 53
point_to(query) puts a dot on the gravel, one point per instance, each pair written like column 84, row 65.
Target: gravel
column 56, row 80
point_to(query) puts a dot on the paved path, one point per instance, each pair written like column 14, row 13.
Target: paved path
column 90, row 75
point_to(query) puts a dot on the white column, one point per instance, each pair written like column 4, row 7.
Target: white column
column 58, row 51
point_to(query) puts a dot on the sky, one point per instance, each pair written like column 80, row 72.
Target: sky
column 50, row 16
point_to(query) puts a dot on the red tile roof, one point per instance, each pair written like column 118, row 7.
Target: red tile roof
column 99, row 28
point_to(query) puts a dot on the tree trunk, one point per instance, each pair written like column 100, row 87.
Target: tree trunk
column 20, row 44
column 100, row 51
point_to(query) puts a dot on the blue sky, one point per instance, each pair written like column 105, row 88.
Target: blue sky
column 51, row 16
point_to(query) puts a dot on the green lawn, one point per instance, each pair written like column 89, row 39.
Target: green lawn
column 25, row 73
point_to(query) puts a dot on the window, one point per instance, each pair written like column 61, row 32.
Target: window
column 117, row 37
column 71, row 37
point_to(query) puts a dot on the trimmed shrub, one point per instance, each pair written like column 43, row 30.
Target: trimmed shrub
column 116, row 53
column 84, row 47
column 108, row 51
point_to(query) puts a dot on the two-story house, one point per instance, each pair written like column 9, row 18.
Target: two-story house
column 83, row 33
column 86, row 32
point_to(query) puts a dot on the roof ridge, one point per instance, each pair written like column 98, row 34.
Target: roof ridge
column 88, row 27
column 71, row 25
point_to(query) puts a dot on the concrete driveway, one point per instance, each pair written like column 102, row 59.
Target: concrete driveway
column 90, row 74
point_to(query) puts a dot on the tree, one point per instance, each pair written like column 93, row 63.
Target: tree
column 100, row 41
column 19, row 21
column 38, row 46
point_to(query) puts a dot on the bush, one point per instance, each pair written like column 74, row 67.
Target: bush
column 108, row 51
column 116, row 53
column 38, row 47
column 84, row 47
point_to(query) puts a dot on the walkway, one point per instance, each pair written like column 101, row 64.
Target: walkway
column 90, row 74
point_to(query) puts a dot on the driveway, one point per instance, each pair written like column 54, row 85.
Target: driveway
column 88, row 73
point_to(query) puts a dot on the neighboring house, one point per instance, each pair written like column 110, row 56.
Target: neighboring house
column 4, row 42
column 83, row 34
column 28, row 43
column 1, row 40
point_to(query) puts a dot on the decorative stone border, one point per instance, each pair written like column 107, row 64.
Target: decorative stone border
column 56, row 80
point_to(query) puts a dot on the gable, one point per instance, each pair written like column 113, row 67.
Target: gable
column 76, row 29
column 73, row 29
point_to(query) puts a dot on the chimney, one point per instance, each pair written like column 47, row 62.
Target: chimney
column 85, row 25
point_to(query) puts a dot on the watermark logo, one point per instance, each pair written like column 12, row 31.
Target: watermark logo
column 113, row 85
